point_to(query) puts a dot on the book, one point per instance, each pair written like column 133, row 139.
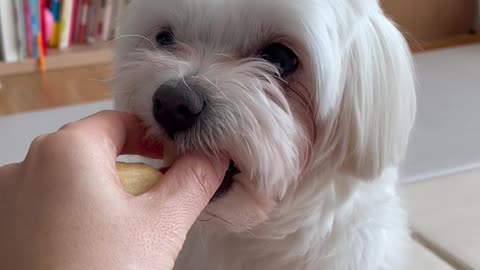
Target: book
column 100, row 16
column 92, row 24
column 107, row 21
column 82, row 29
column 65, row 23
column 76, row 21
column 73, row 20
column 8, row 33
column 28, row 28
column 43, row 25
column 55, row 9
column 35, row 26
column 20, row 27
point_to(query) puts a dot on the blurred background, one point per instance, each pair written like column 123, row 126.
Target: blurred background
column 55, row 65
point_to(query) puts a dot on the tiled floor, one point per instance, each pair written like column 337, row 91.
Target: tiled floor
column 421, row 258
column 445, row 216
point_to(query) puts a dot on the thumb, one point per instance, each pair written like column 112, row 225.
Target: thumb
column 190, row 184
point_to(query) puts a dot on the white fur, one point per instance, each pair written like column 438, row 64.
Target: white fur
column 318, row 150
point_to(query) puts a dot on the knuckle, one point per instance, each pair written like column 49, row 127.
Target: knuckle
column 37, row 149
column 104, row 113
column 38, row 141
column 202, row 177
column 54, row 148
column 67, row 126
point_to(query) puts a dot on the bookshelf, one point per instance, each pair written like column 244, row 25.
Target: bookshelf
column 77, row 55
column 40, row 35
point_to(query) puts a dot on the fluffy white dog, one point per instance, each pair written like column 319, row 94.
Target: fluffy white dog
column 312, row 100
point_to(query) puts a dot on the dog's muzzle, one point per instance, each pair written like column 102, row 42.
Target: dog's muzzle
column 177, row 106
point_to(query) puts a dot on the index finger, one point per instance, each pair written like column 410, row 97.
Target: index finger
column 125, row 132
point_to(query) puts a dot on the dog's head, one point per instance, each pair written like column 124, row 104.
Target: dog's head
column 283, row 88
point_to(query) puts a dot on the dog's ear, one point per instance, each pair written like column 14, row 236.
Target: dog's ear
column 370, row 128
column 378, row 102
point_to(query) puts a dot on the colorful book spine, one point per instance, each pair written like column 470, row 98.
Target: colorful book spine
column 8, row 33
column 77, row 20
column 82, row 35
column 55, row 9
column 73, row 19
column 113, row 20
column 43, row 25
column 99, row 20
column 33, row 6
column 20, row 27
column 92, row 24
column 38, row 50
column 28, row 27
column 107, row 20
column 65, row 23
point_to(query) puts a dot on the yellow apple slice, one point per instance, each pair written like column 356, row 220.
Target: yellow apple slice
column 137, row 178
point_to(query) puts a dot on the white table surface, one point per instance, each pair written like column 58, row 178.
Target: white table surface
column 18, row 130
column 446, row 138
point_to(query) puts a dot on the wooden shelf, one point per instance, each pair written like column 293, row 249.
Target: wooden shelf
column 75, row 56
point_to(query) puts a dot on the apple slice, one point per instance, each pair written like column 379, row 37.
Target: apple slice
column 137, row 178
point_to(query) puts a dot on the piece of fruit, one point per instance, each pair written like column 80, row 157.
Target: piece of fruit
column 137, row 178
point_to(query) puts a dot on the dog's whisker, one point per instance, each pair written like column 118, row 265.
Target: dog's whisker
column 220, row 91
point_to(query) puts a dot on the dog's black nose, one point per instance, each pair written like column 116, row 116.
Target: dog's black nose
column 177, row 106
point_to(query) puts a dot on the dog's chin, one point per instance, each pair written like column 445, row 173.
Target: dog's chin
column 237, row 206
column 240, row 208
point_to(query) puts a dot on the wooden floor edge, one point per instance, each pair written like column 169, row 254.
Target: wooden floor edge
column 441, row 253
column 68, row 59
column 457, row 41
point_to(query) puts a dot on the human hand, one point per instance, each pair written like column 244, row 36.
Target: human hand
column 63, row 207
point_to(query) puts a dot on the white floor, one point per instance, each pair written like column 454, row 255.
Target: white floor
column 17, row 131
column 446, row 138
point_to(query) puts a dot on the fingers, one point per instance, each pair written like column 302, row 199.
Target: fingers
column 123, row 132
column 191, row 183
column 7, row 176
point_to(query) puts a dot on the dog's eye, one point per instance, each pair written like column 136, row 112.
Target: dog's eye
column 165, row 38
column 281, row 56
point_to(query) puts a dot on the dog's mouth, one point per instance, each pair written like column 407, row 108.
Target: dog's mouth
column 170, row 154
column 227, row 181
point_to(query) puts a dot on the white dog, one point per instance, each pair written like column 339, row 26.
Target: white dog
column 312, row 100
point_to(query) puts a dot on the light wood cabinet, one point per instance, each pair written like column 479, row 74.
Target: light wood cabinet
column 428, row 20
